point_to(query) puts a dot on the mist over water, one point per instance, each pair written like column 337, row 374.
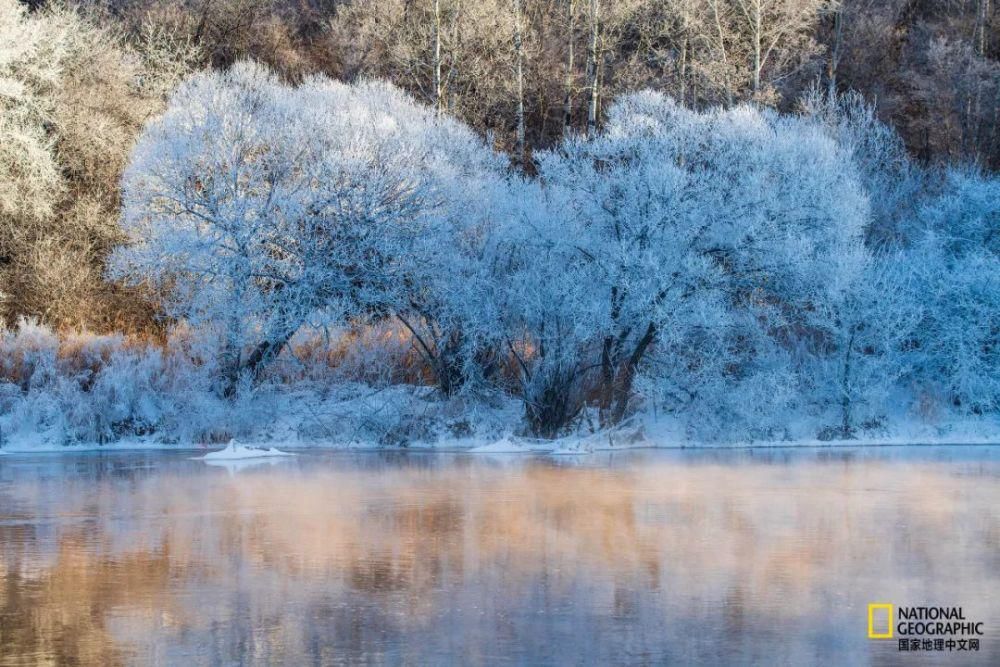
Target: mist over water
column 711, row 557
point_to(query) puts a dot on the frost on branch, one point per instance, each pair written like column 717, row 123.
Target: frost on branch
column 258, row 208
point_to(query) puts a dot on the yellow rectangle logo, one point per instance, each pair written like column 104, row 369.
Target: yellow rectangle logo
column 879, row 607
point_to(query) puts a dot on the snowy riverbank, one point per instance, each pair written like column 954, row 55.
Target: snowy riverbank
column 101, row 393
column 365, row 423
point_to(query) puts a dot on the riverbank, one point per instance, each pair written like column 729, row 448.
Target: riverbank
column 495, row 434
column 85, row 392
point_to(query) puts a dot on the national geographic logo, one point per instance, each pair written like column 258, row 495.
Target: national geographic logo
column 879, row 621
column 924, row 628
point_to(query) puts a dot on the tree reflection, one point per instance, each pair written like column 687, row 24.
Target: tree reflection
column 670, row 557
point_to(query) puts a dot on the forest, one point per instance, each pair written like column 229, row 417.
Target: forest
column 426, row 221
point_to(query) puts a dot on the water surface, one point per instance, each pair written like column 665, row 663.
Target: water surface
column 651, row 557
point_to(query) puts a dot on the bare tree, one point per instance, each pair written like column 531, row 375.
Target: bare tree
column 75, row 95
column 777, row 36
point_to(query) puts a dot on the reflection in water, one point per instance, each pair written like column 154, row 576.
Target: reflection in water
column 643, row 558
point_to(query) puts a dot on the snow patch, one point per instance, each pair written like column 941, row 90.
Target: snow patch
column 235, row 451
column 502, row 446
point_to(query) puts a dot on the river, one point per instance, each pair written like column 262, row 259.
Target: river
column 762, row 556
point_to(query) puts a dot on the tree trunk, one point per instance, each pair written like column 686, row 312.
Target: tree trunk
column 610, row 355
column 756, row 37
column 982, row 19
column 230, row 356
column 202, row 22
column 626, row 376
column 682, row 69
column 519, row 53
column 441, row 357
column 438, row 87
column 606, row 394
column 592, row 68
column 265, row 353
column 723, row 56
column 568, row 80
column 618, row 377
column 835, row 49
column 845, row 400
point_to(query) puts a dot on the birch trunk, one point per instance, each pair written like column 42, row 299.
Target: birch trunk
column 835, row 49
column 982, row 18
column 724, row 57
column 592, row 68
column 756, row 25
column 438, row 88
column 519, row 54
column 568, row 80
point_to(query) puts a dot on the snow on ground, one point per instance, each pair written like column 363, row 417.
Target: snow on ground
column 400, row 417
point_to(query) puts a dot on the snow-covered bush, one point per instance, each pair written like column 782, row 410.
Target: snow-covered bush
column 28, row 355
column 377, row 354
column 88, row 388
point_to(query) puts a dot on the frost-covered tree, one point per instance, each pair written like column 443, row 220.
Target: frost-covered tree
column 698, row 258
column 848, row 355
column 540, row 309
column 441, row 268
column 955, row 283
column 894, row 183
column 673, row 216
column 29, row 68
column 73, row 96
column 258, row 208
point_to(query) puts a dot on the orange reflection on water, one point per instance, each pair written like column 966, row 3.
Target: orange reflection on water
column 423, row 559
